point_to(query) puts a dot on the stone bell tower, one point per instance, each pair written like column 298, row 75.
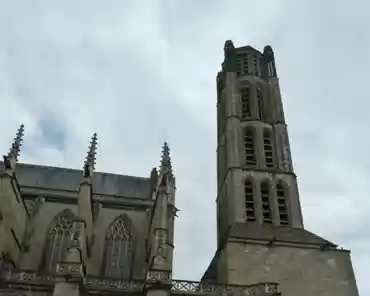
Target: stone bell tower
column 256, row 182
column 261, row 237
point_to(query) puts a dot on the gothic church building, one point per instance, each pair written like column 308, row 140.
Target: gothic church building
column 68, row 232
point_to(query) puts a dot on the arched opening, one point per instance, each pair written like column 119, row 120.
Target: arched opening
column 268, row 148
column 282, row 205
column 250, row 214
column 250, row 156
column 118, row 249
column 265, row 198
column 245, row 103
column 58, row 240
column 259, row 97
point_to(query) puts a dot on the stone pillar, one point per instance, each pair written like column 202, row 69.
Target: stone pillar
column 70, row 273
column 158, row 283
column 66, row 289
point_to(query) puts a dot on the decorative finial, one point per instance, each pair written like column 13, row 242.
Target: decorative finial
column 90, row 158
column 228, row 44
column 268, row 48
column 166, row 166
column 16, row 146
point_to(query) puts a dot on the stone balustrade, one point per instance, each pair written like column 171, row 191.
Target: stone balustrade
column 190, row 287
column 96, row 285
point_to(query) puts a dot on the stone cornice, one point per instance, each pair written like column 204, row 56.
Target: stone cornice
column 71, row 197
column 285, row 244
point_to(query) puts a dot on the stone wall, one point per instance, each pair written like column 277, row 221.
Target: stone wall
column 303, row 271
column 40, row 223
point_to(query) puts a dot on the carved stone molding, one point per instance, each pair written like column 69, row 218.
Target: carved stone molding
column 26, row 277
column 189, row 287
column 72, row 269
column 155, row 275
column 98, row 285
column 95, row 283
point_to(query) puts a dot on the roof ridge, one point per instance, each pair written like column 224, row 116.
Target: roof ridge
column 76, row 170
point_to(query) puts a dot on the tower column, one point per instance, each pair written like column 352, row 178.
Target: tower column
column 159, row 273
column 85, row 195
column 259, row 147
column 274, row 204
column 258, row 202
column 71, row 271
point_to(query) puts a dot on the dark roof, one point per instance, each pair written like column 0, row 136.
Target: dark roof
column 210, row 276
column 281, row 234
column 247, row 48
column 65, row 179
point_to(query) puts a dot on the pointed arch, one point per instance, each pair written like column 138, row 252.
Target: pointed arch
column 281, row 194
column 58, row 239
column 118, row 248
column 266, row 206
column 250, row 213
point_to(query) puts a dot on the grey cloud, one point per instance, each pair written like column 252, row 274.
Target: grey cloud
column 141, row 74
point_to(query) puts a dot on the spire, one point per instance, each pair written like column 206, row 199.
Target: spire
column 90, row 158
column 166, row 166
column 16, row 146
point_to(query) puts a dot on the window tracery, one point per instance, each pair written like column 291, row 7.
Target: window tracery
column 58, row 240
column 118, row 250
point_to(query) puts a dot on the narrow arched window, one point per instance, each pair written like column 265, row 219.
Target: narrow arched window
column 250, row 156
column 260, row 103
column 245, row 102
column 281, row 199
column 265, row 198
column 268, row 148
column 250, row 214
column 242, row 64
column 256, row 65
column 58, row 240
column 118, row 249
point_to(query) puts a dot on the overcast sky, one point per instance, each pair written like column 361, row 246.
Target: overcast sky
column 142, row 72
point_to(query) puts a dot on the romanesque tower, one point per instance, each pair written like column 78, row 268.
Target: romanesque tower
column 260, row 229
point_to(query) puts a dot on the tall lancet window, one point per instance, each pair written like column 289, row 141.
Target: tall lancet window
column 242, row 64
column 260, row 103
column 250, row 155
column 267, row 145
column 281, row 199
column 58, row 240
column 265, row 198
column 118, row 250
column 245, row 100
column 250, row 214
